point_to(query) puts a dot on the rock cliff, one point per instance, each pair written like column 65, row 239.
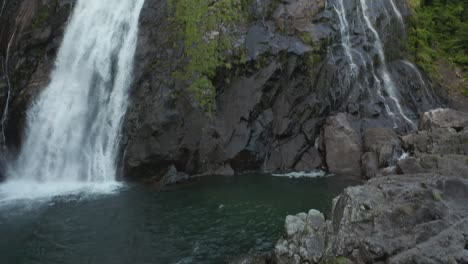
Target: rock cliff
column 279, row 71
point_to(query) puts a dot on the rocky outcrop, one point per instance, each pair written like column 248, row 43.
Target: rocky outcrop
column 343, row 146
column 305, row 239
column 441, row 147
column 273, row 100
column 30, row 34
column 419, row 216
column 443, row 118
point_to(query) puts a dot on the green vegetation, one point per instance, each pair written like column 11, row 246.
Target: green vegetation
column 439, row 30
column 206, row 29
column 436, row 195
column 340, row 260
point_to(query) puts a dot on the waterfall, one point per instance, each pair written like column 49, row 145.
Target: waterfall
column 422, row 83
column 73, row 127
column 344, row 31
column 397, row 13
column 388, row 83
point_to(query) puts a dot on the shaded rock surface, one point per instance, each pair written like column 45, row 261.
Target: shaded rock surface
column 420, row 218
column 440, row 147
column 343, row 146
column 270, row 112
column 443, row 118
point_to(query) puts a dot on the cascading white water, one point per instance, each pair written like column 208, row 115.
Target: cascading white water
column 424, row 85
column 73, row 128
column 344, row 31
column 388, row 83
column 397, row 13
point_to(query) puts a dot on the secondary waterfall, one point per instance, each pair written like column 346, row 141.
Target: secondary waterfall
column 388, row 83
column 73, row 128
column 360, row 52
column 344, row 31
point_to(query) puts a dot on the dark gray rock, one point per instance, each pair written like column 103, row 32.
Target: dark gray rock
column 304, row 239
column 393, row 170
column 370, row 165
column 450, row 164
column 269, row 111
column 385, row 143
column 343, row 146
column 172, row 176
column 443, row 118
column 421, row 218
column 309, row 161
column 410, row 166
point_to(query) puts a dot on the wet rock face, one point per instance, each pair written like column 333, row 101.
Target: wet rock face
column 418, row 216
column 271, row 114
column 440, row 147
column 343, row 146
column 270, row 111
column 31, row 32
column 444, row 118
column 402, row 227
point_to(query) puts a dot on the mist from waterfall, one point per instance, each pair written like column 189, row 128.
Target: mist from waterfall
column 73, row 128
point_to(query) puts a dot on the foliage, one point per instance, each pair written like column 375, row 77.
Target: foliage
column 204, row 25
column 439, row 30
column 436, row 195
column 340, row 260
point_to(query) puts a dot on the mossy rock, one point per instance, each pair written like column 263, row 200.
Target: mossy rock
column 340, row 260
column 204, row 27
column 436, row 195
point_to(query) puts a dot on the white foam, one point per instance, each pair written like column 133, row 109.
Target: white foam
column 73, row 127
column 302, row 174
column 404, row 156
column 72, row 135
column 26, row 190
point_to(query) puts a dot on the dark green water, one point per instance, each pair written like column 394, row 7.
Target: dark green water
column 209, row 220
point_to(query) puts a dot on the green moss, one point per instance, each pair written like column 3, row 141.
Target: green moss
column 436, row 195
column 414, row 4
column 204, row 93
column 340, row 260
column 204, row 25
column 306, row 37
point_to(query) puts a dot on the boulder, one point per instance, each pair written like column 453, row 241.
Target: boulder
column 385, row 143
column 342, row 146
column 418, row 218
column 303, row 240
column 443, row 118
column 370, row 165
column 392, row 170
column 309, row 161
column 172, row 176
column 410, row 166
column 451, row 164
